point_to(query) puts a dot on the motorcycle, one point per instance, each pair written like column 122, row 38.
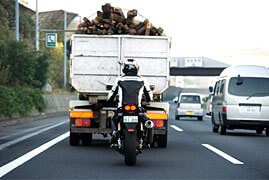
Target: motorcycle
column 135, row 132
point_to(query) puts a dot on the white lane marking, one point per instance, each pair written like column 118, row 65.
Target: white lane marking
column 9, row 143
column 222, row 154
column 25, row 131
column 26, row 157
column 176, row 128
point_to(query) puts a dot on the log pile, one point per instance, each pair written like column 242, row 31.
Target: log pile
column 111, row 20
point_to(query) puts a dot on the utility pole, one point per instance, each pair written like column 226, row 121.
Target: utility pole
column 17, row 20
column 36, row 28
column 64, row 48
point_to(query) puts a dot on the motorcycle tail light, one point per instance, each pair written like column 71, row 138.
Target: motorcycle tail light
column 130, row 107
column 127, row 107
column 133, row 107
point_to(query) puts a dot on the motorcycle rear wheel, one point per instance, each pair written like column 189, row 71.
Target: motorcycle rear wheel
column 130, row 148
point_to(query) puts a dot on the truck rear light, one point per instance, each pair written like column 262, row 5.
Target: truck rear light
column 83, row 122
column 201, row 105
column 178, row 105
column 158, row 123
column 78, row 122
column 81, row 114
column 86, row 122
column 157, row 116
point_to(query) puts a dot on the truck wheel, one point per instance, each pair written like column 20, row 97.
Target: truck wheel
column 267, row 131
column 130, row 148
column 86, row 139
column 200, row 118
column 223, row 130
column 74, row 139
column 162, row 141
column 259, row 131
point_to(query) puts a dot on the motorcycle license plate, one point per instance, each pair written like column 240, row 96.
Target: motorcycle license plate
column 130, row 119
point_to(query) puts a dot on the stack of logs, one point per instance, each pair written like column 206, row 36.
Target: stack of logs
column 113, row 21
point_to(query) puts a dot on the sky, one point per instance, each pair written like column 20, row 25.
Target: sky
column 231, row 31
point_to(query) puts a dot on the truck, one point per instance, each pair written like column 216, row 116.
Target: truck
column 95, row 63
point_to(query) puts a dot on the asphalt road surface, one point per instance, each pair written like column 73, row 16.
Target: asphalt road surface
column 41, row 150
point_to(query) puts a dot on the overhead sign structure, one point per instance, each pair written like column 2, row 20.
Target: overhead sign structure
column 193, row 62
column 51, row 39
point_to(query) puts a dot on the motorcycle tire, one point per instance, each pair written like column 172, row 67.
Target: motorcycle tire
column 130, row 148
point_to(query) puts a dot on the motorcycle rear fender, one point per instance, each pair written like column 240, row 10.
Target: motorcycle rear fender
column 131, row 126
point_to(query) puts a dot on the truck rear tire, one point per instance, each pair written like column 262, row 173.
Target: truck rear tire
column 162, row 141
column 259, row 131
column 74, row 139
column 130, row 149
column 86, row 139
column 223, row 130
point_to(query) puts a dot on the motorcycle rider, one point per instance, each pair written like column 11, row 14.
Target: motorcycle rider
column 130, row 88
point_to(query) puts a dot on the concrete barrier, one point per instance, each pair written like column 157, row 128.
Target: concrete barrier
column 56, row 104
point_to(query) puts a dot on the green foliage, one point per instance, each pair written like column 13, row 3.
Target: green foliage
column 19, row 101
column 7, row 23
column 56, row 66
column 20, row 66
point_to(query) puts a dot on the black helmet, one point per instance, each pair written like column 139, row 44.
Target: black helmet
column 130, row 66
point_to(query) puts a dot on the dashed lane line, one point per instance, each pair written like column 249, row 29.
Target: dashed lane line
column 26, row 157
column 176, row 128
column 223, row 154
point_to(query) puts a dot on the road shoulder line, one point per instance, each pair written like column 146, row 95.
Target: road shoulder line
column 26, row 157
column 9, row 143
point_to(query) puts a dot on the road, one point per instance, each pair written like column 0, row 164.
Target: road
column 39, row 150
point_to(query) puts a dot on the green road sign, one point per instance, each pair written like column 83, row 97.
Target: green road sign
column 51, row 39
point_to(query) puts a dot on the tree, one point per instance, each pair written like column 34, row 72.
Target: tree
column 20, row 66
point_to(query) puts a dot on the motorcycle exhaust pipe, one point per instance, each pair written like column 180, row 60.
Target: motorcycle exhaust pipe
column 149, row 124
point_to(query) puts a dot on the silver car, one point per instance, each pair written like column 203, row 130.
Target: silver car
column 189, row 105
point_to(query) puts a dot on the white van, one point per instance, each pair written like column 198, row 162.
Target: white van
column 241, row 99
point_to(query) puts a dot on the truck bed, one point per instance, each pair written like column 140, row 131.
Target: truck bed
column 97, row 60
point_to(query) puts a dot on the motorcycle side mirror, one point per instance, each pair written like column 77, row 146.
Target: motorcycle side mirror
column 152, row 87
column 108, row 87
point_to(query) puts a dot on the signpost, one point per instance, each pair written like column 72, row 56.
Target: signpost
column 51, row 39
